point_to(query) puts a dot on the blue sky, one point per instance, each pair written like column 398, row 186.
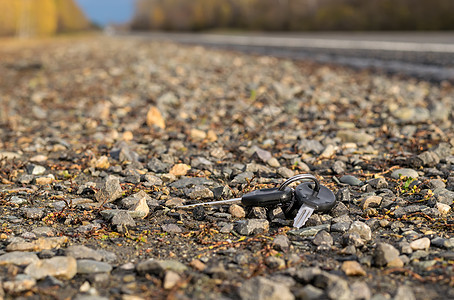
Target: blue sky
column 103, row 12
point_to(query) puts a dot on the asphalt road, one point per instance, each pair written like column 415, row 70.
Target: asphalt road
column 428, row 55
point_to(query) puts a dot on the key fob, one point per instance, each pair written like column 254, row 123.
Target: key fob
column 304, row 194
column 267, row 197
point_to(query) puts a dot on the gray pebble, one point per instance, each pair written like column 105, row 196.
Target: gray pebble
column 362, row 229
column 110, row 190
column 83, row 252
column 408, row 173
column 384, row 254
column 350, row 180
column 122, row 218
column 281, row 243
column 158, row 267
column 33, row 213
column 171, row 228
column 89, row 266
column 262, row 288
column 323, row 238
column 252, row 226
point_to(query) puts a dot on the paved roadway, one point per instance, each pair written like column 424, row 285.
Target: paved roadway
column 428, row 55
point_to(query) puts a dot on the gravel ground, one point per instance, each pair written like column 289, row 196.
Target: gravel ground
column 102, row 139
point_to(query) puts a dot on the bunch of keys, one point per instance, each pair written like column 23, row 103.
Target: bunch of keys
column 297, row 204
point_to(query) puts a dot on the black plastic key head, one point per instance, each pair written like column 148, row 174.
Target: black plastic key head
column 321, row 201
column 267, row 197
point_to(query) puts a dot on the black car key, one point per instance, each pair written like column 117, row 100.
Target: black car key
column 263, row 197
column 308, row 198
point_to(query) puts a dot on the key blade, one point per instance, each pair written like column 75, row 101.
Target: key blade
column 303, row 214
column 211, row 203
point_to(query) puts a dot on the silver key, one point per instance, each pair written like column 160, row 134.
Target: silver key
column 303, row 214
column 312, row 198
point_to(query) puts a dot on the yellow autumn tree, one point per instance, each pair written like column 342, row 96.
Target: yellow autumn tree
column 8, row 17
column 40, row 17
column 70, row 17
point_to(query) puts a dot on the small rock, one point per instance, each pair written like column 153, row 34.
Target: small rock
column 83, row 252
column 323, row 238
column 237, row 211
column 274, row 262
column 334, row 286
column 132, row 200
column 343, row 195
column 281, row 243
column 339, row 209
column 18, row 200
column 44, row 180
column 285, row 172
column 243, row 177
column 437, row 184
column 171, row 228
column 171, row 279
column 444, row 209
column 362, row 229
column 309, row 292
column 9, row 155
column 180, row 169
column 226, row 228
column 371, row 201
column 157, row 166
column 349, row 136
column 102, row 163
column 444, row 196
column 310, row 146
column 328, row 152
column 36, row 169
column 385, row 254
column 33, row 213
column 360, row 290
column 404, row 292
column 197, row 264
column 420, row 244
column 20, row 283
column 252, row 226
column 352, row 268
column 18, row 258
column 199, row 213
column 260, row 288
column 339, row 167
column 63, row 267
column 406, row 173
column 198, row 135
column 89, row 266
column 200, row 192
column 310, row 231
column 140, row 209
column 429, row 158
column 37, row 245
column 378, row 183
column 352, row 239
column 350, row 180
column 158, row 267
column 44, row 231
column 257, row 213
column 273, row 162
column 154, row 118
column 122, row 218
column 110, row 190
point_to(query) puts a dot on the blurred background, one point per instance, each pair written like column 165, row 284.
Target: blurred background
column 24, row 18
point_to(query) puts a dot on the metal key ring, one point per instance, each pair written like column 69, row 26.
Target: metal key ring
column 301, row 177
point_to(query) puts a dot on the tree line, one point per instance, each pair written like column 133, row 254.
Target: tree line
column 40, row 17
column 294, row 14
